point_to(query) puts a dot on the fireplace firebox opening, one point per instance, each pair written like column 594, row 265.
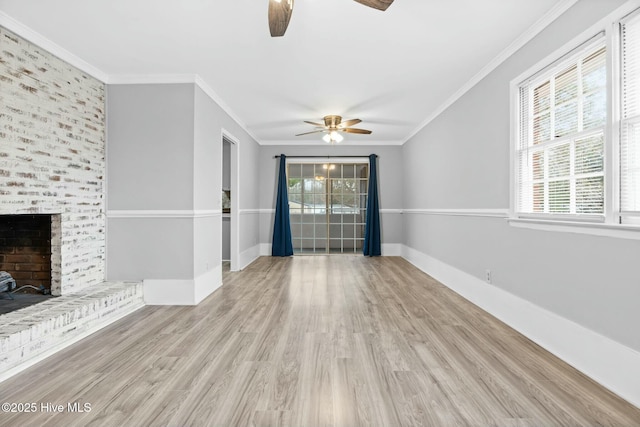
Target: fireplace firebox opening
column 26, row 251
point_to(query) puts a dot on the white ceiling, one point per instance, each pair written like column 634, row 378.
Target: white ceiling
column 394, row 69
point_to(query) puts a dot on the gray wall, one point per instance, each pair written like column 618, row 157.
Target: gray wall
column 249, row 197
column 208, row 168
column 150, row 150
column 207, row 181
column 164, row 153
column 461, row 160
column 226, row 238
column 150, row 146
column 390, row 187
column 226, row 166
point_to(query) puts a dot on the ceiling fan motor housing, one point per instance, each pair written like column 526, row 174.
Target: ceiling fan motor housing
column 332, row 121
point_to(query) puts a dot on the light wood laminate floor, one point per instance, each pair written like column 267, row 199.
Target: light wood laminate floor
column 314, row 341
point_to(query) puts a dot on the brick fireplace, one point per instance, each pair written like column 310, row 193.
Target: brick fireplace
column 52, row 165
column 30, row 250
column 52, row 209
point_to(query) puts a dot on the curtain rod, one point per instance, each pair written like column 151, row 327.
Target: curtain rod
column 326, row 157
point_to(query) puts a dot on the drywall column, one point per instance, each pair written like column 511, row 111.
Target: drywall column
column 150, row 226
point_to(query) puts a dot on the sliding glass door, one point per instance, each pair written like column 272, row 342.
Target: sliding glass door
column 327, row 205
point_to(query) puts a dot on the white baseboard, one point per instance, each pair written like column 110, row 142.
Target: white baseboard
column 265, row 249
column 207, row 283
column 615, row 366
column 391, row 249
column 249, row 255
column 182, row 291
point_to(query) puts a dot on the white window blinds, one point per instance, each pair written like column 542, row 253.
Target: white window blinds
column 560, row 153
column 630, row 119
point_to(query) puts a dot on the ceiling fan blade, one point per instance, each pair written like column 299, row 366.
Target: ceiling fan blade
column 354, row 130
column 349, row 123
column 279, row 16
column 315, row 124
column 376, row 4
column 313, row 131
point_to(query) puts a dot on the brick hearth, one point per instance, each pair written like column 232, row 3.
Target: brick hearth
column 28, row 334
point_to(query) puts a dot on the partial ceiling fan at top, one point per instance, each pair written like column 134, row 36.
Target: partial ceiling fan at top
column 280, row 13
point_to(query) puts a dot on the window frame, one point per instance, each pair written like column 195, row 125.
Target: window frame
column 610, row 222
column 631, row 218
column 550, row 74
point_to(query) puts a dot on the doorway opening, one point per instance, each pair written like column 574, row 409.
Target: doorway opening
column 327, row 206
column 230, row 208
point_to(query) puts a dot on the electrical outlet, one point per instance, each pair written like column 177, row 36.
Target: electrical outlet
column 487, row 275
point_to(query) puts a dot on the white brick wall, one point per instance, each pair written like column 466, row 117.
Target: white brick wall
column 52, row 160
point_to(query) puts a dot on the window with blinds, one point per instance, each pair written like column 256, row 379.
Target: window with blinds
column 630, row 120
column 560, row 152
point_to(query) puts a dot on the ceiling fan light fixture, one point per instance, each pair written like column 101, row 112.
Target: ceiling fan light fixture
column 332, row 137
column 334, row 127
column 336, row 136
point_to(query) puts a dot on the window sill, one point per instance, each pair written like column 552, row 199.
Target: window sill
column 596, row 229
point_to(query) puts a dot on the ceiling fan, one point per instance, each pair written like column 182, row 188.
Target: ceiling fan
column 332, row 126
column 280, row 13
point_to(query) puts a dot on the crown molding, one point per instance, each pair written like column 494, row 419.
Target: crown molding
column 22, row 30
column 135, row 79
column 55, row 49
column 128, row 79
column 225, row 107
column 17, row 27
column 516, row 45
